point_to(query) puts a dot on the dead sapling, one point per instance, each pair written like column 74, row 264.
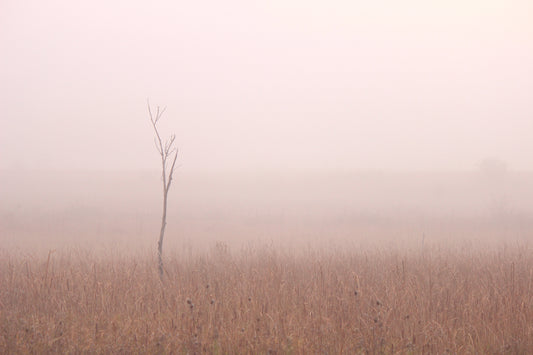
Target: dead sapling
column 169, row 154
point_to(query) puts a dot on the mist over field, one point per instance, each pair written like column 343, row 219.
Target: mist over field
column 352, row 177
column 100, row 209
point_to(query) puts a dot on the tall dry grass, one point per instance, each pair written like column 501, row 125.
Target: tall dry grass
column 267, row 300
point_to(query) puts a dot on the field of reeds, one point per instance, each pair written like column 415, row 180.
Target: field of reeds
column 266, row 300
column 355, row 264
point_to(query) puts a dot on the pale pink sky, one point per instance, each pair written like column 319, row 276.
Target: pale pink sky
column 273, row 85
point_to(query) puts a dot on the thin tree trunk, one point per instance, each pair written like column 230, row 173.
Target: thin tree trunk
column 162, row 234
column 165, row 151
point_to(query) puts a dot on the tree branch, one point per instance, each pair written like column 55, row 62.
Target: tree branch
column 172, row 170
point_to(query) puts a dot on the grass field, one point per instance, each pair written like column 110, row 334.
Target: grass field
column 348, row 264
column 266, row 300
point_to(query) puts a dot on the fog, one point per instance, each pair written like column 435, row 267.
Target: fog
column 277, row 85
column 293, row 118
column 105, row 211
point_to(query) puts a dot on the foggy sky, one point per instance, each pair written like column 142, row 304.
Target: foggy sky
column 274, row 85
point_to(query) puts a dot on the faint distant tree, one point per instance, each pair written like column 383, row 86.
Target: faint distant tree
column 494, row 170
column 169, row 154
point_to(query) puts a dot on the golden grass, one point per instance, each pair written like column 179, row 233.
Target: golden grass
column 269, row 301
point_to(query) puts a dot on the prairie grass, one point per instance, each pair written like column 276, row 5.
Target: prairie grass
column 266, row 300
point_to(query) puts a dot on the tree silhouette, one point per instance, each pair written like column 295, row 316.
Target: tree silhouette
column 169, row 154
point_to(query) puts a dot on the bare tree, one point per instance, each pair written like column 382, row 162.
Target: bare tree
column 169, row 154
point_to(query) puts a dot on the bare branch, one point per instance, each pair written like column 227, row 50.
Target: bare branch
column 149, row 110
column 159, row 143
column 172, row 170
column 174, row 161
column 172, row 151
column 171, row 140
column 157, row 146
column 167, row 147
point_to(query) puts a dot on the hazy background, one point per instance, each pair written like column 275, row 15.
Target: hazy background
column 294, row 118
column 275, row 85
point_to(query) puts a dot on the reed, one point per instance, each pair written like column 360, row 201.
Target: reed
column 267, row 300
